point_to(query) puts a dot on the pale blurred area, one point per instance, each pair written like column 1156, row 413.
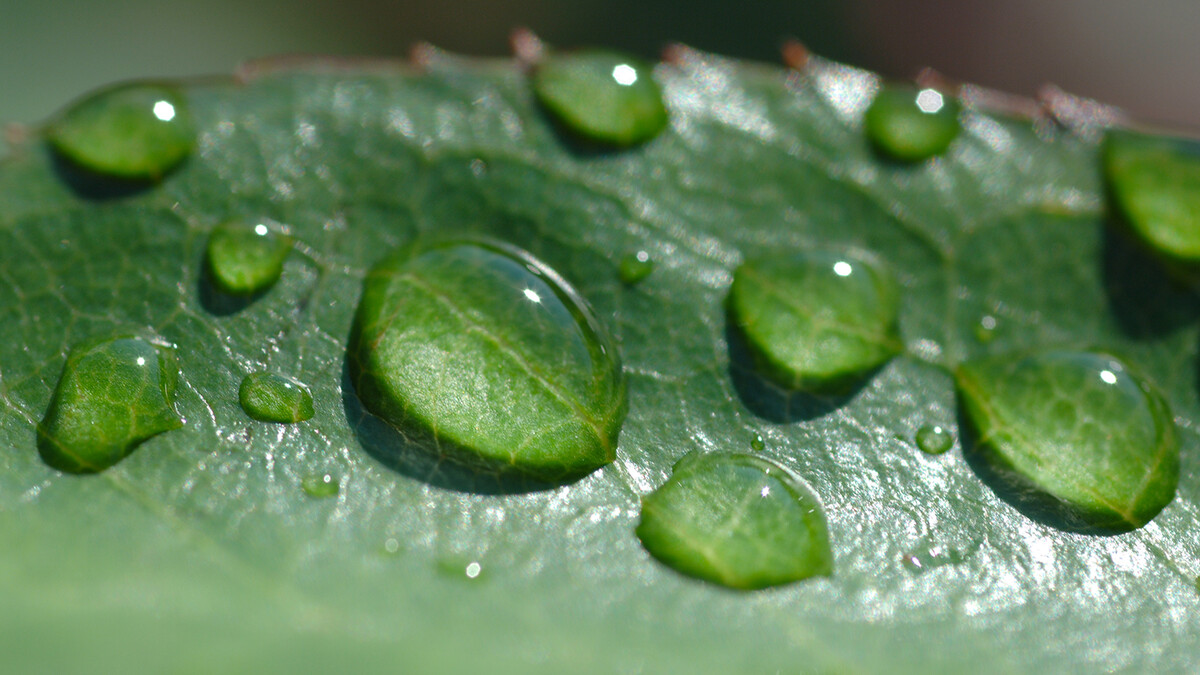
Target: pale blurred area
column 1141, row 55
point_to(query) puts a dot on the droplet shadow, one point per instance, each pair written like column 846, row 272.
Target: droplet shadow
column 217, row 302
column 1030, row 502
column 392, row 449
column 94, row 186
column 768, row 400
column 1146, row 299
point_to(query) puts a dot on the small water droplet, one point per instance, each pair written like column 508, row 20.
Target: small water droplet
column 391, row 546
column 134, row 131
column 757, row 444
column 1076, row 428
column 924, row 560
column 321, row 486
column 455, row 568
column 114, row 393
column 985, row 330
column 635, row 267
column 246, row 259
column 483, row 355
column 602, row 96
column 909, row 125
column 268, row 397
column 736, row 520
column 934, row 439
column 817, row 320
column 1155, row 184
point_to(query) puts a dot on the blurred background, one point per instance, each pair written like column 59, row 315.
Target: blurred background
column 1141, row 55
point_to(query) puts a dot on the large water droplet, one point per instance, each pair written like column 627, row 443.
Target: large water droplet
column 483, row 355
column 115, row 392
column 1095, row 442
column 910, row 125
column 320, row 486
column 131, row 131
column 246, row 259
column 738, row 521
column 635, row 267
column 602, row 96
column 816, row 320
column 934, row 439
column 1155, row 183
column 268, row 397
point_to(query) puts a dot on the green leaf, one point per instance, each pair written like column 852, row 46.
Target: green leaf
column 202, row 550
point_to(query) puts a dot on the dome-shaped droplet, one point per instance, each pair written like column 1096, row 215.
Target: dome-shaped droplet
column 484, row 356
column 601, row 96
column 934, row 439
column 816, row 320
column 635, row 267
column 320, row 486
column 134, row 131
column 1155, row 184
column 115, row 392
column 1077, row 427
column 268, row 397
column 246, row 259
column 738, row 521
column 910, row 125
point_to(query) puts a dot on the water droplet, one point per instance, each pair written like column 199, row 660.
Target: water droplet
column 391, row 546
column 246, row 259
column 1077, row 428
column 934, row 439
column 1155, row 184
column 602, row 96
column 455, row 568
column 114, row 393
column 320, row 486
column 985, row 330
column 909, row 125
column 817, row 320
column 635, row 267
column 738, row 521
column 923, row 560
column 757, row 444
column 483, row 355
column 268, row 397
column 132, row 131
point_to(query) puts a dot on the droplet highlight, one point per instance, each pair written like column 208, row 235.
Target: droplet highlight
column 481, row 354
column 268, row 397
column 817, row 320
column 134, row 131
column 910, row 125
column 115, row 392
column 601, row 96
column 738, row 521
column 245, row 259
column 1154, row 183
column 933, row 439
column 1094, row 441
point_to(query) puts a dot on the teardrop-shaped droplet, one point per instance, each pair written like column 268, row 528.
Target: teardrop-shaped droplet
column 134, row 131
column 485, row 356
column 268, row 397
column 601, row 96
column 934, row 439
column 816, row 320
column 115, row 392
column 246, row 259
column 1076, row 427
column 635, row 267
column 909, row 125
column 736, row 520
column 320, row 486
column 1155, row 184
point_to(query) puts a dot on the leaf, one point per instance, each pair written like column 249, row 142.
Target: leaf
column 202, row 548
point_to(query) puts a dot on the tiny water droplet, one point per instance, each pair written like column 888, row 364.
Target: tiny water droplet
column 985, row 330
column 736, row 520
column 320, row 486
column 114, row 393
column 1155, row 184
column 268, row 397
column 817, row 320
column 245, row 259
column 455, row 568
column 635, row 267
column 391, row 546
column 483, row 355
column 910, row 125
column 134, row 131
column 924, row 560
column 1077, row 429
column 934, row 439
column 757, row 444
column 601, row 96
